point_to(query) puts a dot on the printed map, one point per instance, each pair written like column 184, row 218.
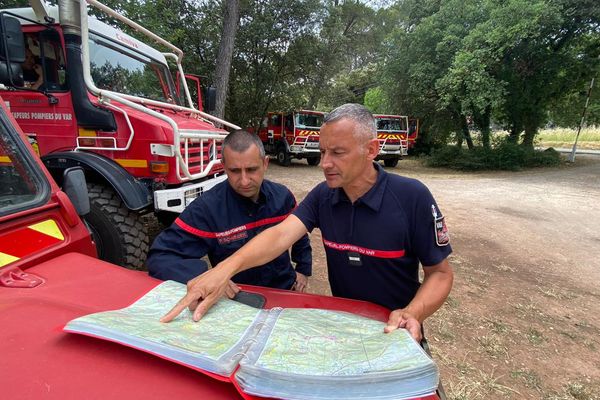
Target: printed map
column 321, row 342
column 218, row 331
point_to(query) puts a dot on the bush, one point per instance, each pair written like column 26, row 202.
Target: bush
column 503, row 155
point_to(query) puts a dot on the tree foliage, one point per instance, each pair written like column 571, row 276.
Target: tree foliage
column 457, row 65
column 483, row 60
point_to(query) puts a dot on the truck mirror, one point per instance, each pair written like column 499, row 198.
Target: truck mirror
column 74, row 185
column 12, row 43
column 11, row 74
column 210, row 99
column 12, row 51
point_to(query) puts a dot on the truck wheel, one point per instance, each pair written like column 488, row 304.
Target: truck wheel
column 390, row 162
column 313, row 160
column 283, row 157
column 118, row 232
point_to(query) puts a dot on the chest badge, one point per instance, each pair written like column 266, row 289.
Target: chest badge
column 354, row 259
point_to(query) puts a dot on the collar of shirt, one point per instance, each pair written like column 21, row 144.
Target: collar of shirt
column 251, row 206
column 374, row 196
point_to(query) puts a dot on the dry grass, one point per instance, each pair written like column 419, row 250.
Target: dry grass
column 506, row 349
column 589, row 138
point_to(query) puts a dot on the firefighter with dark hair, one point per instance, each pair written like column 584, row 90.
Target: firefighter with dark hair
column 228, row 216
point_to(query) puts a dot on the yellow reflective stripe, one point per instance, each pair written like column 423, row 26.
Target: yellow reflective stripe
column 132, row 163
column 6, row 259
column 49, row 228
column 5, row 159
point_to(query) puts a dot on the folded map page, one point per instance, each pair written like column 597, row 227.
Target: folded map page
column 323, row 342
column 311, row 353
column 285, row 353
column 209, row 344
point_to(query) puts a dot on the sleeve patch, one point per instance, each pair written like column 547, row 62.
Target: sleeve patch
column 442, row 237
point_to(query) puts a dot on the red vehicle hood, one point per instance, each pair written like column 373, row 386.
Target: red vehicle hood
column 40, row 361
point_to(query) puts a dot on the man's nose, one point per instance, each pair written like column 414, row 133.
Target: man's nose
column 245, row 178
column 325, row 161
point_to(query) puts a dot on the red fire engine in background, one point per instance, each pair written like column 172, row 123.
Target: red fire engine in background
column 295, row 134
column 392, row 132
column 109, row 104
column 413, row 132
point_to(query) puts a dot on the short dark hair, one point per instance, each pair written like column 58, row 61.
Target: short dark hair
column 240, row 141
column 366, row 127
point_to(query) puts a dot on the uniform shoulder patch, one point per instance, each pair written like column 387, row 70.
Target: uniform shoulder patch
column 442, row 237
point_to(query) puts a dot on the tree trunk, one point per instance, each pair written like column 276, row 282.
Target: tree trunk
column 464, row 126
column 530, row 132
column 514, row 134
column 482, row 120
column 459, row 140
column 231, row 18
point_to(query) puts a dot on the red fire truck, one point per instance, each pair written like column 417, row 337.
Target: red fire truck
column 413, row 132
column 392, row 132
column 108, row 103
column 49, row 275
column 295, row 134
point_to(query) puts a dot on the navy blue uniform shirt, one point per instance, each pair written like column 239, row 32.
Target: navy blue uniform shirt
column 374, row 246
column 218, row 223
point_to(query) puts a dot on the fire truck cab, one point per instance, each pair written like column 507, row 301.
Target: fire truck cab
column 288, row 135
column 392, row 133
column 88, row 94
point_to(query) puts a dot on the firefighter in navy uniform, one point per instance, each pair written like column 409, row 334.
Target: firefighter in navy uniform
column 377, row 228
column 226, row 217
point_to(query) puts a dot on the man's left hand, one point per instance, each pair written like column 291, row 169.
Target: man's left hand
column 301, row 282
column 402, row 319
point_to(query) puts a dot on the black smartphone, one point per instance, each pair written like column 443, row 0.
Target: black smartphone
column 251, row 299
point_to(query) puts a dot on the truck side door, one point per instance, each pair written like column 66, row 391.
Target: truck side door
column 37, row 220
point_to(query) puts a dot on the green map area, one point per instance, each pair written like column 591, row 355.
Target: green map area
column 218, row 331
column 329, row 343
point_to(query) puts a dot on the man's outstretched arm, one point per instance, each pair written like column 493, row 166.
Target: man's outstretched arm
column 204, row 290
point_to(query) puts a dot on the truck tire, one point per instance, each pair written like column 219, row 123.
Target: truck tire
column 391, row 162
column 118, row 232
column 283, row 157
column 313, row 160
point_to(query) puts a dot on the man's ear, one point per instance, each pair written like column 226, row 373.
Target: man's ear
column 372, row 149
column 266, row 162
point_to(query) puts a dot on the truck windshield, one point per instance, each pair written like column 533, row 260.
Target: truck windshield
column 119, row 69
column 309, row 120
column 21, row 185
column 391, row 124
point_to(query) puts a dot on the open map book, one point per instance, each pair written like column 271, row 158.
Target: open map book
column 291, row 353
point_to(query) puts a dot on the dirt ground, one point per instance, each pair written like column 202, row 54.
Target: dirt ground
column 522, row 320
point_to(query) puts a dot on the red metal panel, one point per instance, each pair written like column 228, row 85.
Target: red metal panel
column 25, row 241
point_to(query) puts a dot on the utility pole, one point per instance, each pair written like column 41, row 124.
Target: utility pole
column 587, row 102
